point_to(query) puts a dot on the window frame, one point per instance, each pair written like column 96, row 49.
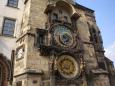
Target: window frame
column 16, row 5
column 7, row 18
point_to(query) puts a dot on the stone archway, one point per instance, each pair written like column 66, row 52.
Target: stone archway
column 5, row 71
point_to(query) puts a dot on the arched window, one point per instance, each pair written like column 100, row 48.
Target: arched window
column 93, row 35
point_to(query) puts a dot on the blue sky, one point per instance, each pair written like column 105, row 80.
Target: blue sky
column 105, row 17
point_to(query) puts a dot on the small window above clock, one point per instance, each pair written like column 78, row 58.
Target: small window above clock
column 55, row 16
column 65, row 18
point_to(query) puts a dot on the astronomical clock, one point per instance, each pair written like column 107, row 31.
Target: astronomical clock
column 63, row 45
column 59, row 45
column 67, row 64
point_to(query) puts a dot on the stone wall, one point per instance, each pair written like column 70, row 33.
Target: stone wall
column 34, row 67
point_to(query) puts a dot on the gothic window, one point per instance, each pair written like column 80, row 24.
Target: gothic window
column 102, row 65
column 41, row 39
column 13, row 3
column 8, row 27
column 93, row 35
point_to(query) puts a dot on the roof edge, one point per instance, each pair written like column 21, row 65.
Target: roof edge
column 83, row 7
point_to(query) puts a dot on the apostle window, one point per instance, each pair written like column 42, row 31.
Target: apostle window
column 55, row 16
column 8, row 27
column 65, row 19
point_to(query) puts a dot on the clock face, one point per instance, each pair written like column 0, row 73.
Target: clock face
column 63, row 36
column 68, row 67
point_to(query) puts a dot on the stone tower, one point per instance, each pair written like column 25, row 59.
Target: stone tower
column 60, row 45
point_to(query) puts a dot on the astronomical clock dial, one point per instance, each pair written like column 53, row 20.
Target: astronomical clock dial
column 68, row 67
column 63, row 36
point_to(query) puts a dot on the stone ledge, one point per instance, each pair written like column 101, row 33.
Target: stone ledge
column 40, row 72
column 28, row 33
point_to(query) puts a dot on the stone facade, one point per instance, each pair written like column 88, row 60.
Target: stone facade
column 7, row 43
column 60, row 45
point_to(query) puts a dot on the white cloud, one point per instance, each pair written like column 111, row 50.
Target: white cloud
column 110, row 52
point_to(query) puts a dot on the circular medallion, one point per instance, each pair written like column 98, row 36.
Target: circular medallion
column 63, row 36
column 68, row 67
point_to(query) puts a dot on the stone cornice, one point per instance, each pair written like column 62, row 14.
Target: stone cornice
column 28, row 33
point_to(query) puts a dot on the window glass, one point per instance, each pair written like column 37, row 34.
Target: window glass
column 8, row 27
column 13, row 3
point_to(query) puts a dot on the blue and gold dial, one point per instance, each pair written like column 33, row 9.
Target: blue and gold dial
column 68, row 67
column 63, row 36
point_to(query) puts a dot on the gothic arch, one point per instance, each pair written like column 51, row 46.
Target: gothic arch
column 5, row 70
column 64, row 5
